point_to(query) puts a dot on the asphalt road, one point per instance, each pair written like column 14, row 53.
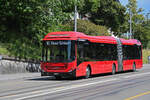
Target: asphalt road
column 122, row 86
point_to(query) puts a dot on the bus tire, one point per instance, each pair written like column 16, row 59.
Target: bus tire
column 134, row 67
column 88, row 73
column 113, row 70
column 58, row 77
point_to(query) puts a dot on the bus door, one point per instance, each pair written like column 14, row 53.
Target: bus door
column 80, row 58
column 120, row 55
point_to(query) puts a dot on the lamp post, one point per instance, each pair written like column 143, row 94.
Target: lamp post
column 130, row 23
column 75, row 17
column 147, row 15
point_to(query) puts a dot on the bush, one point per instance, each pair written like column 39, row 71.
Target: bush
column 148, row 45
column 25, row 48
column 3, row 49
column 146, row 53
column 87, row 27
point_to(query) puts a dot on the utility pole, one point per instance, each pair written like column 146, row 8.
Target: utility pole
column 147, row 15
column 75, row 18
column 130, row 23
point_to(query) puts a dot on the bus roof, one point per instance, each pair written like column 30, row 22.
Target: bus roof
column 130, row 42
column 69, row 35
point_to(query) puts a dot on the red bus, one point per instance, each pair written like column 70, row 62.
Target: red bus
column 74, row 54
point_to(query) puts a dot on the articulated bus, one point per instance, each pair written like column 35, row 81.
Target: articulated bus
column 74, row 54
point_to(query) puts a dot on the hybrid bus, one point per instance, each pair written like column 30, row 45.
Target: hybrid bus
column 75, row 54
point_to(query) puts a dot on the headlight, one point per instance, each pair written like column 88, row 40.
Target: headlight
column 42, row 70
column 70, row 70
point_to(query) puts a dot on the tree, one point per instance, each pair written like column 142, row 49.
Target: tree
column 106, row 12
column 24, row 23
column 140, row 28
column 143, row 34
column 88, row 28
column 30, row 17
column 137, row 17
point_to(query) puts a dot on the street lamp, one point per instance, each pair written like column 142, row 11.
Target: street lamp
column 130, row 22
column 75, row 18
column 147, row 17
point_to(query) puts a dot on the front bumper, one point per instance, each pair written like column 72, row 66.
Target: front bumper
column 62, row 74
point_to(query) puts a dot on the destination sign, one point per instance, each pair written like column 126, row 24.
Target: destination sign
column 59, row 35
column 57, row 42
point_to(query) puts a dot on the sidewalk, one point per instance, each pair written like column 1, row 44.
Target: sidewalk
column 5, row 77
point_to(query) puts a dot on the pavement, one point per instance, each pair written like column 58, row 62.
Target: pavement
column 4, row 77
column 122, row 86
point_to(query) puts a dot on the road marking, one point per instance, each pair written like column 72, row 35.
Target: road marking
column 62, row 88
column 139, row 95
column 137, row 75
column 52, row 90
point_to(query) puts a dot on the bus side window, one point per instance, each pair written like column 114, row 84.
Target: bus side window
column 79, row 52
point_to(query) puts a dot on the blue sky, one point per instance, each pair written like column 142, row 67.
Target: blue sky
column 145, row 4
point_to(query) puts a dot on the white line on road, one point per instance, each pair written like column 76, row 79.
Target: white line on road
column 49, row 91
column 135, row 75
column 40, row 93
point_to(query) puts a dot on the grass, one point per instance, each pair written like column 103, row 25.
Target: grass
column 146, row 53
column 3, row 49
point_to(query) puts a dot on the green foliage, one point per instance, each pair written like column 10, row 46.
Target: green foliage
column 148, row 44
column 142, row 33
column 31, row 17
column 137, row 17
column 106, row 12
column 3, row 50
column 24, row 23
column 23, row 48
column 140, row 29
column 146, row 53
column 68, row 5
column 87, row 27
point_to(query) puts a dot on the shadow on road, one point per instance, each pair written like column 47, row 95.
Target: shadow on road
column 51, row 78
column 42, row 79
column 109, row 74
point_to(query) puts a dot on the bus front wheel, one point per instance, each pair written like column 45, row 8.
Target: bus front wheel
column 88, row 73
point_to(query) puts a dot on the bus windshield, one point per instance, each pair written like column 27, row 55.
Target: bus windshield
column 58, row 51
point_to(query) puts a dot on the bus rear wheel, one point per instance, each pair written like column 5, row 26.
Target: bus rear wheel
column 113, row 69
column 88, row 73
column 134, row 67
column 58, row 77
